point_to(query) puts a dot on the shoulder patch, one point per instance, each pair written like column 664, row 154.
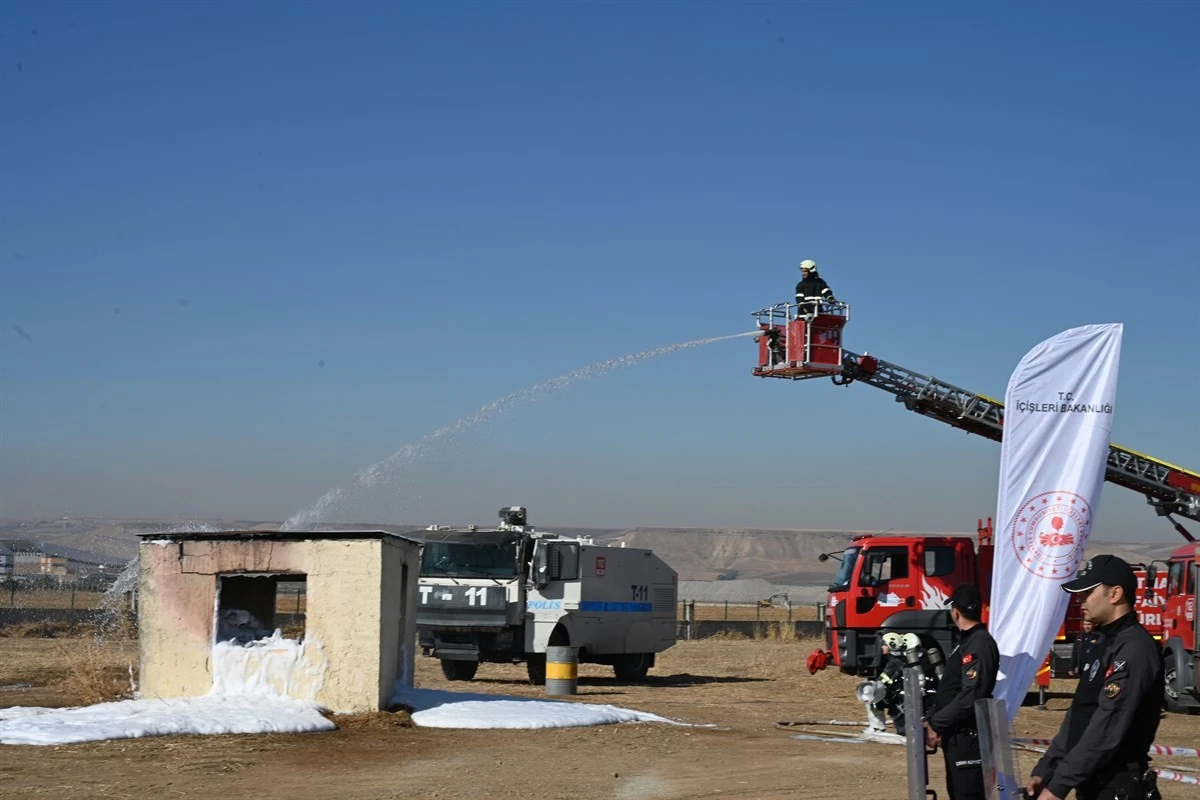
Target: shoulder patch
column 972, row 673
column 1111, row 690
column 968, row 658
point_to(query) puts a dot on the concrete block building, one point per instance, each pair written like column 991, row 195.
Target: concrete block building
column 209, row 610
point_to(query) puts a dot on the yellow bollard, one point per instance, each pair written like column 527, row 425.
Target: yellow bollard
column 562, row 670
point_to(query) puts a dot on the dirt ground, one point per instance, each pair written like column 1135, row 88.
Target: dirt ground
column 729, row 692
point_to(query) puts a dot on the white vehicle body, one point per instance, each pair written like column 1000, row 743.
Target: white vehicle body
column 506, row 594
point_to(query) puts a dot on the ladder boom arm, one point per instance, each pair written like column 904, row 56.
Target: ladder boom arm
column 1168, row 488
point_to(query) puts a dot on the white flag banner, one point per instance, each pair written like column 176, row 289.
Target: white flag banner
column 1058, row 413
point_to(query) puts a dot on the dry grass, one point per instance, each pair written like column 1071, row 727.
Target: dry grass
column 50, row 598
column 118, row 625
column 746, row 613
column 770, row 632
column 93, row 675
column 726, row 636
column 81, row 664
column 373, row 721
column 778, row 632
column 42, row 630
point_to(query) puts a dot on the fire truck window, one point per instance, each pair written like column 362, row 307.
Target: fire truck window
column 885, row 564
column 1175, row 579
column 841, row 581
column 939, row 561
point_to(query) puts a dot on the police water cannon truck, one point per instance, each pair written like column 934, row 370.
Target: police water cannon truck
column 504, row 594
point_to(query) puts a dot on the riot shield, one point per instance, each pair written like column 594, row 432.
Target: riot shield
column 914, row 736
column 1000, row 779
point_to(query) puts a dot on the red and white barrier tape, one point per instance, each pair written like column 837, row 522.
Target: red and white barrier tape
column 1171, row 775
column 1155, row 749
column 1164, row 750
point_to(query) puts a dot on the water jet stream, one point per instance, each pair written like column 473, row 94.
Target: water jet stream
column 320, row 511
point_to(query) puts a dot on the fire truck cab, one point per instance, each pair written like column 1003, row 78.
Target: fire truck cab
column 902, row 583
column 1180, row 625
column 899, row 583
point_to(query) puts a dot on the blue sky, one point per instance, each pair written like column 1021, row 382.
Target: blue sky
column 247, row 250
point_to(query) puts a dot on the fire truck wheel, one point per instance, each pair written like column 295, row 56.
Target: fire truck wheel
column 632, row 667
column 1170, row 678
column 536, row 669
column 459, row 670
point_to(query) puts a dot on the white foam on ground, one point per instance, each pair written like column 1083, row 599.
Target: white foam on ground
column 265, row 686
column 440, row 709
column 248, row 697
column 133, row 719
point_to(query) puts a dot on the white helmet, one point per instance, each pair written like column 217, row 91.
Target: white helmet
column 893, row 640
column 911, row 641
column 808, row 263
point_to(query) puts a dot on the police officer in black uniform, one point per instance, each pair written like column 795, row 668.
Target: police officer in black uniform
column 970, row 675
column 1100, row 750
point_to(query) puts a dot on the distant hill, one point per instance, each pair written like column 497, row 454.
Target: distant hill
column 101, row 541
column 783, row 557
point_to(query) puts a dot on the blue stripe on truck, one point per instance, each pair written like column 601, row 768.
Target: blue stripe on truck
column 599, row 605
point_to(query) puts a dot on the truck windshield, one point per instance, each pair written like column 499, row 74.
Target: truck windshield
column 841, row 581
column 469, row 559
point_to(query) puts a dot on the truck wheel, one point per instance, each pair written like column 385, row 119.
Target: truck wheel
column 459, row 670
column 1171, row 695
column 536, row 668
column 633, row 667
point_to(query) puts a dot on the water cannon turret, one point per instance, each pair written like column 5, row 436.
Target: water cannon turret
column 514, row 515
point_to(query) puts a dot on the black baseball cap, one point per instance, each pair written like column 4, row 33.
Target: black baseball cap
column 1108, row 570
column 967, row 599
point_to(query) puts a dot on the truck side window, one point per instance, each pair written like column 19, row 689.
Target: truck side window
column 1175, row 579
column 884, row 564
column 939, row 560
column 564, row 561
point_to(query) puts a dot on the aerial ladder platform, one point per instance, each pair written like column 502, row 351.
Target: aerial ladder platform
column 805, row 342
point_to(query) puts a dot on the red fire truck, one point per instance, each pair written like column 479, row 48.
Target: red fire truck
column 1174, row 600
column 902, row 582
column 890, row 582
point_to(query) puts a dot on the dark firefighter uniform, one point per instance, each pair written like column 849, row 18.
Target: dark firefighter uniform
column 1100, row 750
column 811, row 291
column 970, row 675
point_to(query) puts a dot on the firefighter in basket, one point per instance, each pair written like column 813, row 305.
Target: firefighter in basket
column 812, row 291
